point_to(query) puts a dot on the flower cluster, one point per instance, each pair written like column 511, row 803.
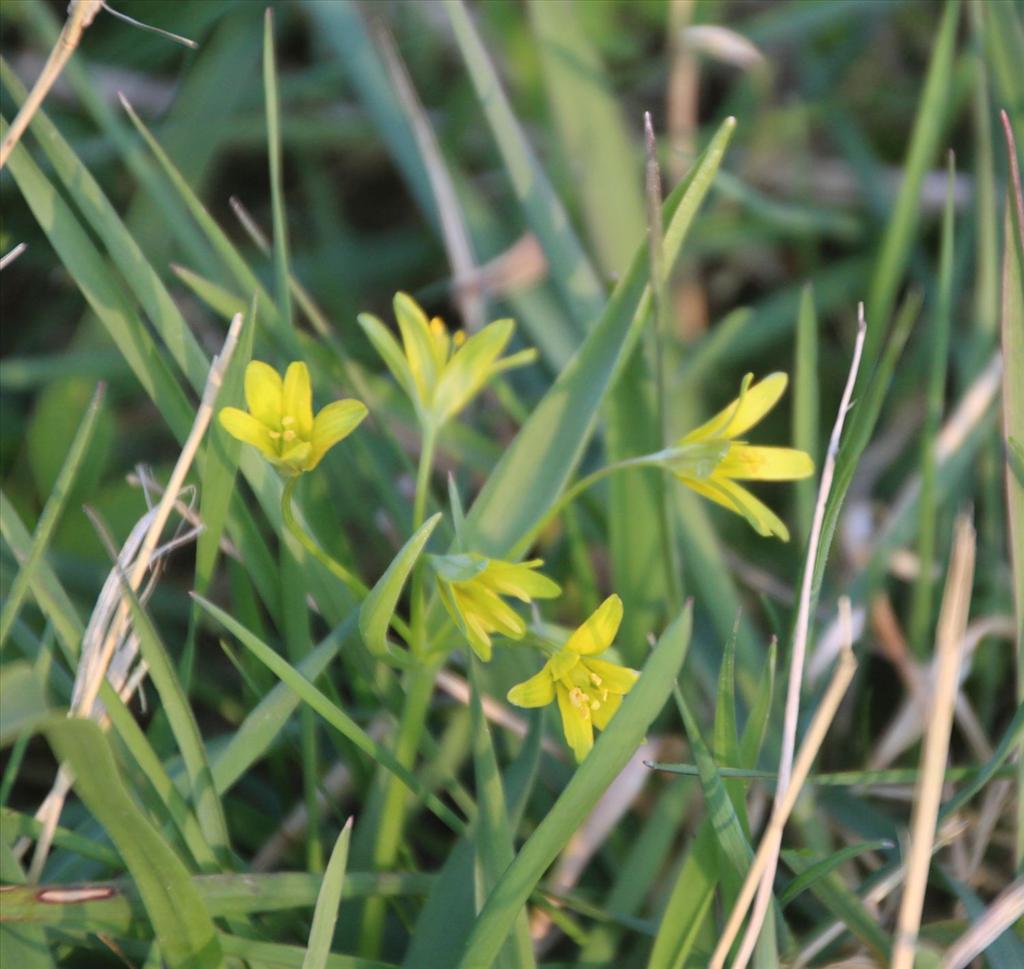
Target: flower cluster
column 440, row 373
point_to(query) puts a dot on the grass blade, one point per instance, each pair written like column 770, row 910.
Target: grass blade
column 183, row 927
column 326, row 913
column 51, row 514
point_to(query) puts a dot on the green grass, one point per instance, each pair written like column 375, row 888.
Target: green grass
column 301, row 668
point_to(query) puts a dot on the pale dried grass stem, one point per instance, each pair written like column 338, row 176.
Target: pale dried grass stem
column 952, row 624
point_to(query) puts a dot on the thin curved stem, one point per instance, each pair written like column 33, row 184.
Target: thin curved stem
column 352, row 582
column 571, row 494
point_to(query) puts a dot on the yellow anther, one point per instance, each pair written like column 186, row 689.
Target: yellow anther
column 437, row 327
column 459, row 337
column 287, row 420
column 595, row 679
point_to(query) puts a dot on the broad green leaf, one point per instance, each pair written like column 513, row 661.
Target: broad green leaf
column 378, row 608
column 610, row 754
column 183, row 926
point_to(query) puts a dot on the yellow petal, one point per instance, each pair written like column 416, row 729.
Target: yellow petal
column 597, row 633
column 562, row 664
column 263, row 392
column 470, row 368
column 606, row 711
column 614, row 678
column 520, row 580
column 737, row 499
column 246, row 428
column 334, row 423
column 419, row 345
column 297, row 399
column 579, row 731
column 744, row 412
column 748, row 463
column 478, row 638
column 473, row 599
column 537, row 691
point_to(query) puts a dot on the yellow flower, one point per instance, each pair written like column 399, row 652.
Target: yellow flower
column 471, row 588
column 280, row 418
column 440, row 372
column 588, row 690
column 740, row 461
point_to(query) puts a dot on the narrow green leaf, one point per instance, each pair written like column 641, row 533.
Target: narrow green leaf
column 757, row 721
column 326, row 913
column 336, row 717
column 806, row 407
column 819, row 869
column 51, row 514
column 378, row 608
column 45, row 586
column 571, row 270
column 289, row 956
column 174, row 702
column 492, row 834
column 933, row 108
column 263, row 725
column 688, row 903
column 284, row 301
column 921, row 608
column 183, row 927
column 611, row 752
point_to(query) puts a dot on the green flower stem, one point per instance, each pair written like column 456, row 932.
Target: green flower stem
column 419, row 688
column 352, row 582
column 571, row 494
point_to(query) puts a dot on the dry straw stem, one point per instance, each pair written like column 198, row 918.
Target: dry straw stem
column 801, row 633
column 82, row 14
column 952, row 624
column 1007, row 908
column 177, row 479
column 768, row 851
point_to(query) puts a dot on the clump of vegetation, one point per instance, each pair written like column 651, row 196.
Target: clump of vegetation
column 495, row 657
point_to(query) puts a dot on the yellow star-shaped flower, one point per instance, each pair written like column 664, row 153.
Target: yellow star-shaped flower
column 440, row 372
column 745, row 462
column 589, row 691
column 471, row 588
column 280, row 419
